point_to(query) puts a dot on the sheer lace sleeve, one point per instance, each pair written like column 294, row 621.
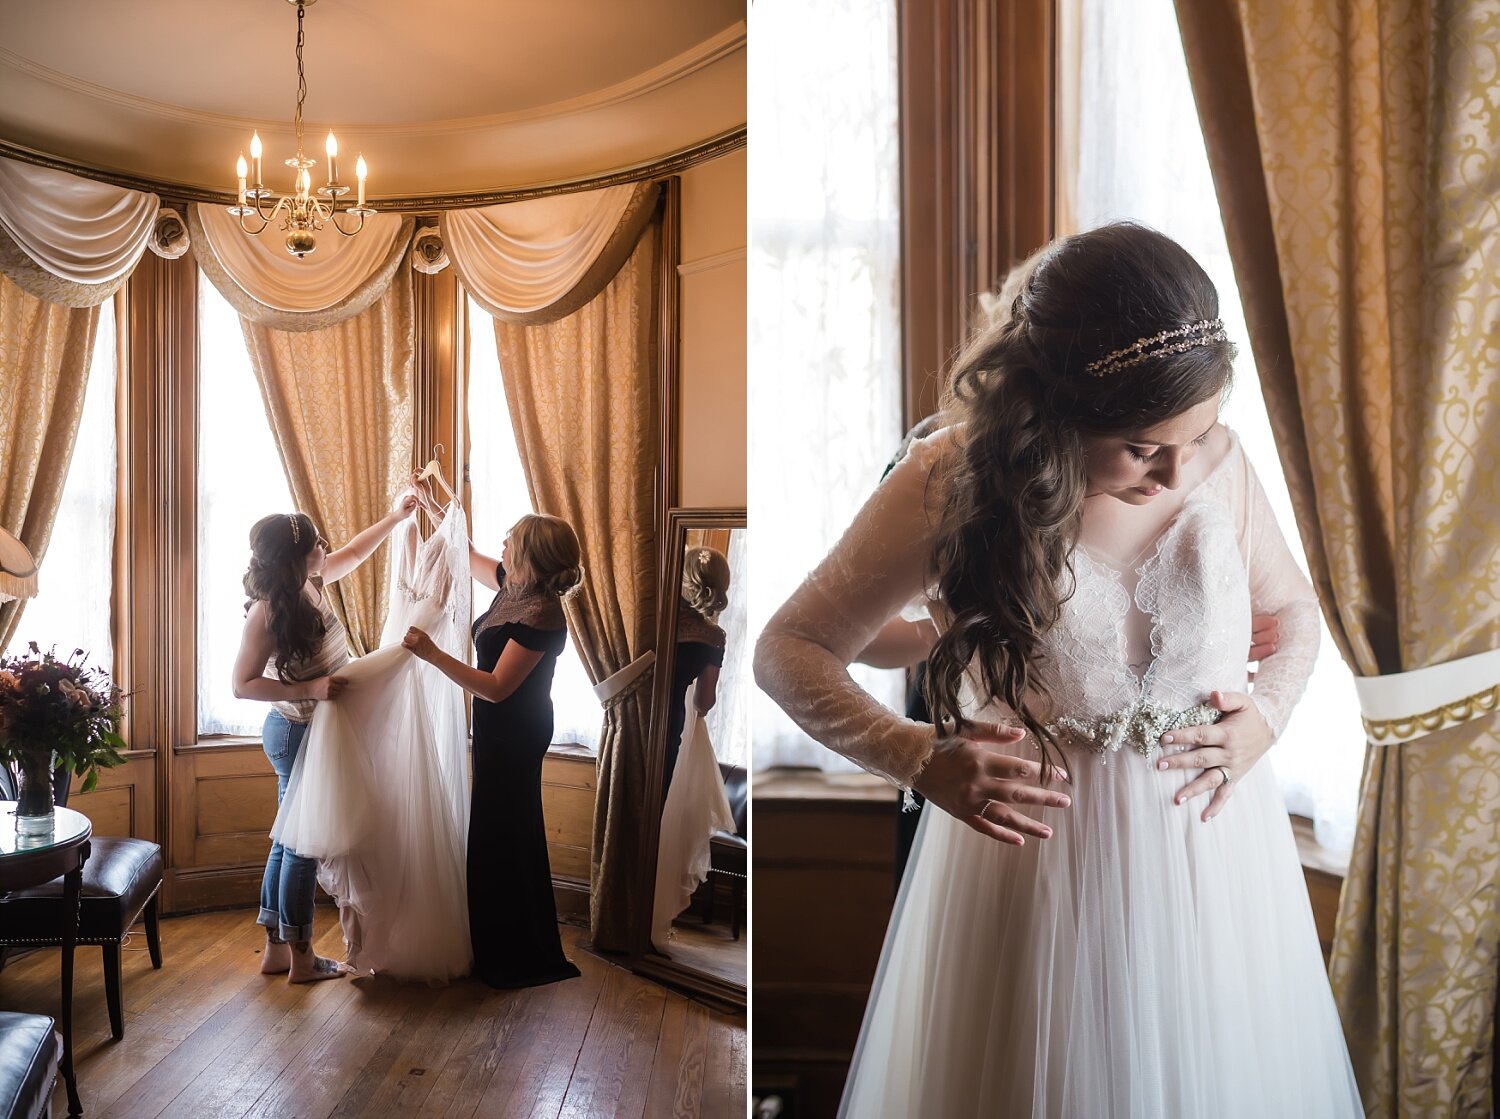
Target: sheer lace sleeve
column 1277, row 586
column 876, row 569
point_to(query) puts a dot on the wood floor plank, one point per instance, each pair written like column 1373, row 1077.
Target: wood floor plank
column 533, row 1074
column 618, row 1051
column 681, row 1065
column 402, row 1071
column 283, row 1020
column 724, row 1089
column 209, row 1037
column 465, row 1076
column 323, row 1071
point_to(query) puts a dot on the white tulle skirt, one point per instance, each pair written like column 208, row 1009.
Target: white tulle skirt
column 1140, row 964
column 696, row 807
column 379, row 792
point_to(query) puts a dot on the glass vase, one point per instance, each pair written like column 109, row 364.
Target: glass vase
column 34, row 809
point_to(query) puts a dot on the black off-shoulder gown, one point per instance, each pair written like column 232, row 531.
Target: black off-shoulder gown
column 512, row 914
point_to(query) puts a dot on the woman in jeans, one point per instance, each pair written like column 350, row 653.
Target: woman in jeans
column 292, row 646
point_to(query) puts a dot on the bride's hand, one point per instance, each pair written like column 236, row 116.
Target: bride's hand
column 1225, row 751
column 980, row 786
column 405, row 504
column 326, row 687
column 419, row 643
column 423, row 492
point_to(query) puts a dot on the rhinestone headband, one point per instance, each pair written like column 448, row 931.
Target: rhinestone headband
column 1177, row 341
column 296, row 528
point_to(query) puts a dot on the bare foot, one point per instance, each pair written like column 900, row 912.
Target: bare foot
column 308, row 967
column 277, row 958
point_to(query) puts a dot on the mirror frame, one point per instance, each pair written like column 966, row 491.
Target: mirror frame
column 645, row 960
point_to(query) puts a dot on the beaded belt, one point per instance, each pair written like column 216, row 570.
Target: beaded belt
column 1140, row 726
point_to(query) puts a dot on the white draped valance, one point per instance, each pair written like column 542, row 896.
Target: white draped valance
column 68, row 239
column 542, row 259
column 266, row 284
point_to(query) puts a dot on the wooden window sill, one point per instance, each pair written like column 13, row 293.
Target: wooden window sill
column 788, row 784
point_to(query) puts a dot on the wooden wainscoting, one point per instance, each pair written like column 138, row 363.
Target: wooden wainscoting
column 124, row 801
column 823, row 886
column 224, row 801
column 569, row 778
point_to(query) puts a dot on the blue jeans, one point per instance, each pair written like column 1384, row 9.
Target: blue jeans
column 286, row 891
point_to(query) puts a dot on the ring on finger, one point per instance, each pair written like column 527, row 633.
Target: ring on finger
column 1224, row 771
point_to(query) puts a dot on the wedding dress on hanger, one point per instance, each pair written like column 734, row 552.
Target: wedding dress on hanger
column 696, row 808
column 379, row 793
column 1139, row 963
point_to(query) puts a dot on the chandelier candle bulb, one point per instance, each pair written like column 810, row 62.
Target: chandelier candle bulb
column 255, row 156
column 360, row 171
column 332, row 148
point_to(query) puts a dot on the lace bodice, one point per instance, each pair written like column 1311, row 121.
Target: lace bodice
column 1164, row 628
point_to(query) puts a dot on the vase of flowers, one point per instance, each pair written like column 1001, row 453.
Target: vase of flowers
column 55, row 713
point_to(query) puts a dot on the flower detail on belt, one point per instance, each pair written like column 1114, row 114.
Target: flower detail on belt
column 1139, row 726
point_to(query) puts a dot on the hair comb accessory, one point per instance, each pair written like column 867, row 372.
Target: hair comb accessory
column 296, row 528
column 1184, row 338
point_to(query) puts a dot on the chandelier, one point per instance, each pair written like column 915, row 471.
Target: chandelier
column 305, row 211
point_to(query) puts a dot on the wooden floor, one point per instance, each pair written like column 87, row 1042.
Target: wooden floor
column 208, row 1035
column 708, row 948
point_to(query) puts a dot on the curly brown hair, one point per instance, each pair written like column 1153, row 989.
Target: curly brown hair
column 1022, row 403
column 279, row 547
column 705, row 580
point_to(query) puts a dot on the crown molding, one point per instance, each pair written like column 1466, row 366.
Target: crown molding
column 700, row 57
column 671, row 164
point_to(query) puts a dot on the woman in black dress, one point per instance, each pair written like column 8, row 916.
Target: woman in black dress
column 512, row 914
column 700, row 645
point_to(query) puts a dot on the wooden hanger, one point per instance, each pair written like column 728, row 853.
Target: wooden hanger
column 434, row 470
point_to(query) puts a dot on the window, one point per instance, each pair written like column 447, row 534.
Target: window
column 72, row 608
column 240, row 480
column 825, row 324
column 499, row 499
column 1140, row 155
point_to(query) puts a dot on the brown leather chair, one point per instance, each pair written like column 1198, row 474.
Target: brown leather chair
column 29, row 1052
column 121, row 885
column 729, row 851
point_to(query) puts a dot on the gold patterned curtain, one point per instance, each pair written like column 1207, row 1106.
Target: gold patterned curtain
column 1353, row 148
column 340, row 405
column 45, row 351
column 583, row 402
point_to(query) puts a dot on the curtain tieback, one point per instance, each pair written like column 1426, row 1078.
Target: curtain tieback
column 1403, row 706
column 613, row 689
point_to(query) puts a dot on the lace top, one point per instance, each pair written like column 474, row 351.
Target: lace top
column 529, row 605
column 1162, row 629
column 693, row 626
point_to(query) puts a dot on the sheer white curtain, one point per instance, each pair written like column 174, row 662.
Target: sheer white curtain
column 499, row 500
column 240, row 480
column 825, row 316
column 75, row 582
column 1141, row 156
column 728, row 723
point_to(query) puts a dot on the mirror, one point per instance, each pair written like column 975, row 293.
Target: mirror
column 696, row 935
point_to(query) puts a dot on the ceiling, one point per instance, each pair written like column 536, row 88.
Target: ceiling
column 442, row 97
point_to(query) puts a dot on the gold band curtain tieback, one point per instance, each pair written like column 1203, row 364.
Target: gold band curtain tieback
column 1404, row 706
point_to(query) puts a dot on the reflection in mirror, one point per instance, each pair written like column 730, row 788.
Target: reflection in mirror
column 699, row 912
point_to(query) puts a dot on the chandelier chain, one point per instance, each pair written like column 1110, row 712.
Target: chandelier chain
column 301, row 77
column 305, row 211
